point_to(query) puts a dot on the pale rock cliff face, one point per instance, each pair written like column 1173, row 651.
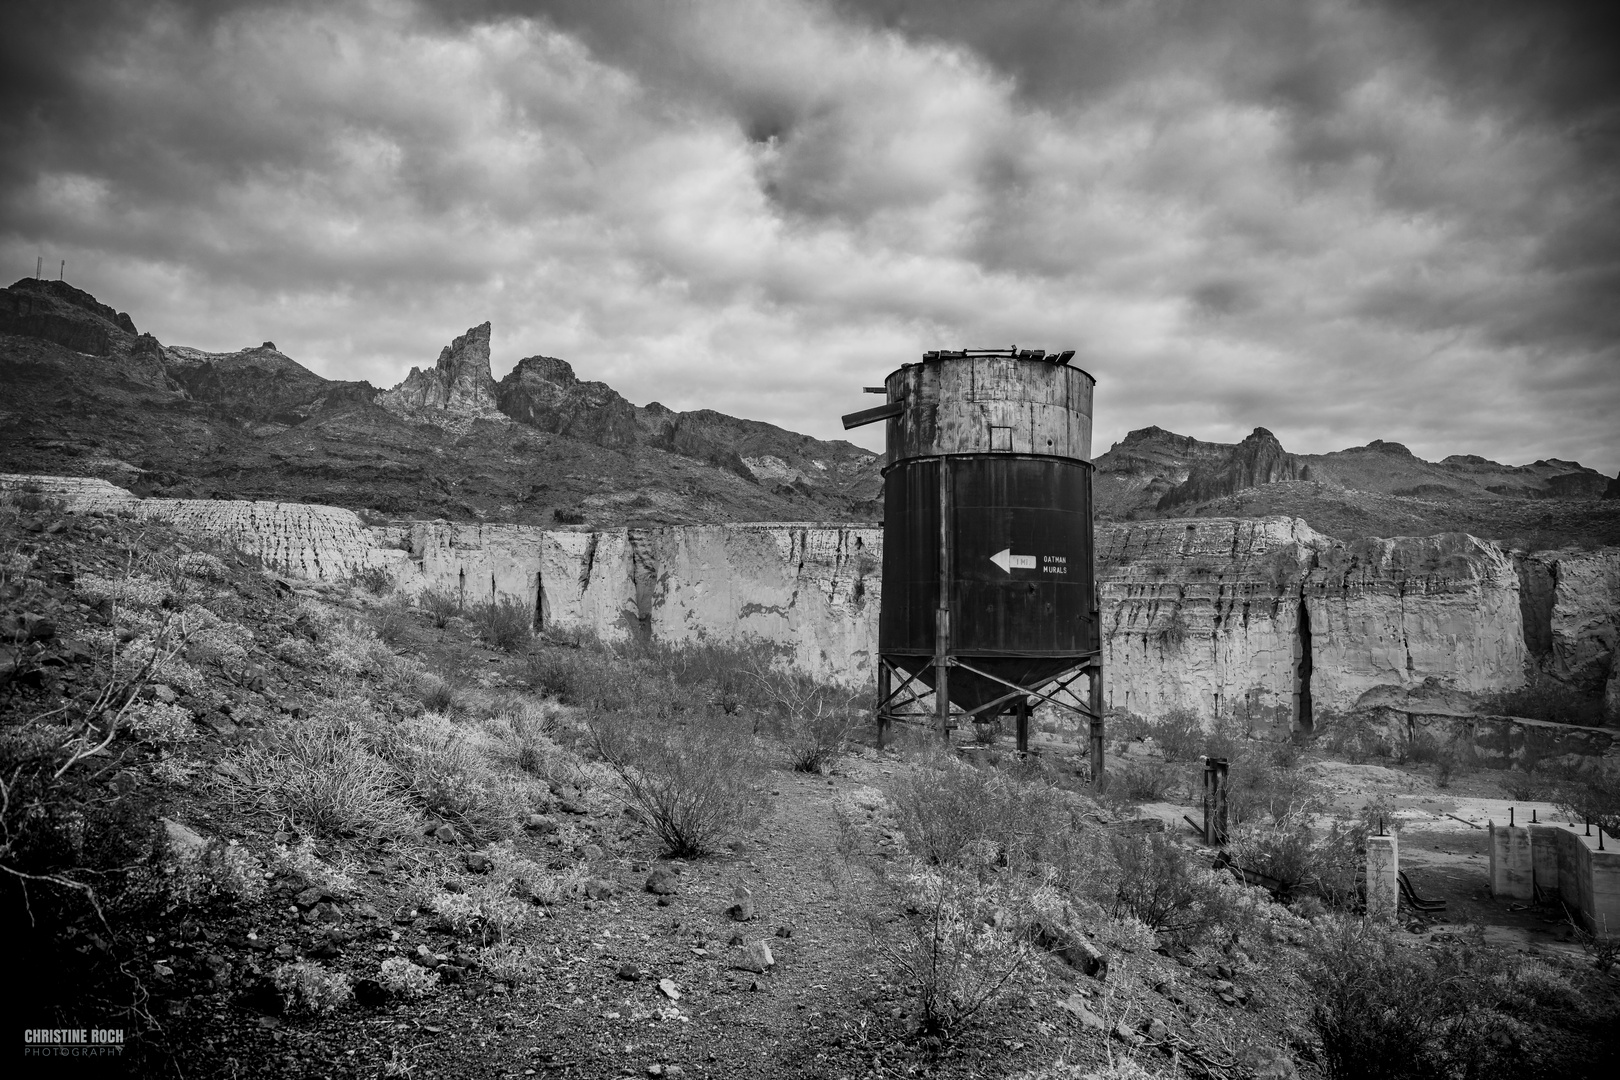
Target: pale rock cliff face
column 811, row 590
column 459, row 383
column 1263, row 619
column 1399, row 612
column 1584, row 623
column 307, row 540
column 1247, row 617
column 1202, row 614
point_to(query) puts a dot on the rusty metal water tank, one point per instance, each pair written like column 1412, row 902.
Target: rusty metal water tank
column 988, row 570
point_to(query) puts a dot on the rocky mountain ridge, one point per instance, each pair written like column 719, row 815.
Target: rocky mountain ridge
column 1381, row 489
column 94, row 397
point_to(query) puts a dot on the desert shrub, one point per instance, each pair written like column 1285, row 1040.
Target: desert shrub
column 1259, row 792
column 201, row 565
column 1125, row 725
column 443, row 769
column 505, row 624
column 1593, row 797
column 1285, row 755
column 696, row 782
column 404, row 979
column 580, row 676
column 158, row 722
column 957, row 950
column 525, row 735
column 1292, row 852
column 219, row 871
column 376, row 580
column 440, row 606
column 488, row 908
column 813, row 719
column 303, row 861
column 512, row 964
column 389, row 619
column 1445, row 768
column 1180, row 734
column 312, row 989
column 946, row 808
column 1527, row 787
column 436, row 694
column 320, row 774
column 1161, row 885
column 1130, row 784
column 1383, row 1012
column 562, row 515
column 735, row 674
column 352, row 648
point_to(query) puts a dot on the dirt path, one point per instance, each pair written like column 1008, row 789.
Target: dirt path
column 805, row 1017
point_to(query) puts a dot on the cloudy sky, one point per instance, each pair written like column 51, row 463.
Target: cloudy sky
column 1340, row 220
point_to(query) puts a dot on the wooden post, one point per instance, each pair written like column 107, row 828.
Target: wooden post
column 1023, row 725
column 1094, row 703
column 1214, row 801
column 942, row 621
column 884, row 689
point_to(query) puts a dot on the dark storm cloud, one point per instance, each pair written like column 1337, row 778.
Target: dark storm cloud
column 1338, row 220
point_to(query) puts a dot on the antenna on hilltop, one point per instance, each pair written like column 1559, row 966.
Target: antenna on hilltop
column 39, row 267
column 63, row 271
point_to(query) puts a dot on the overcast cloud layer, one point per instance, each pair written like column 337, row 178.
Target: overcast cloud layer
column 1339, row 220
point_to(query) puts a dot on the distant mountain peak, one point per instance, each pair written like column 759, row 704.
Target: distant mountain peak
column 1259, row 459
column 460, row 384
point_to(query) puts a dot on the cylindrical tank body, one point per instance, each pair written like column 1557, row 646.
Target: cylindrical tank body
column 987, row 519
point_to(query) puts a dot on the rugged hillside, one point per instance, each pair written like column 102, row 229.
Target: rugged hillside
column 1381, row 489
column 88, row 395
column 91, row 396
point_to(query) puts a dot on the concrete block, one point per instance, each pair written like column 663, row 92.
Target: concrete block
column 1512, row 865
column 1383, row 876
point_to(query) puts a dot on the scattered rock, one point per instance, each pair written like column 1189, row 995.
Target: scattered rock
column 183, row 841
column 569, row 806
column 742, row 908
column 325, row 912
column 310, row 897
column 756, row 958
column 661, row 882
column 736, row 939
column 1073, row 950
column 539, row 823
column 629, row 973
column 446, row 834
column 1270, row 1063
column 667, row 988
column 1156, row 1030
column 1077, row 1005
column 600, row 889
column 478, row 863
column 370, row 993
column 1126, row 1034
column 165, row 694
column 784, row 931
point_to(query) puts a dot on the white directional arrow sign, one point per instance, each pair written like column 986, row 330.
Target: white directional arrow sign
column 1010, row 562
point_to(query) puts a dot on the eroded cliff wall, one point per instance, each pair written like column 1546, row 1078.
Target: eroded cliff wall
column 1264, row 619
